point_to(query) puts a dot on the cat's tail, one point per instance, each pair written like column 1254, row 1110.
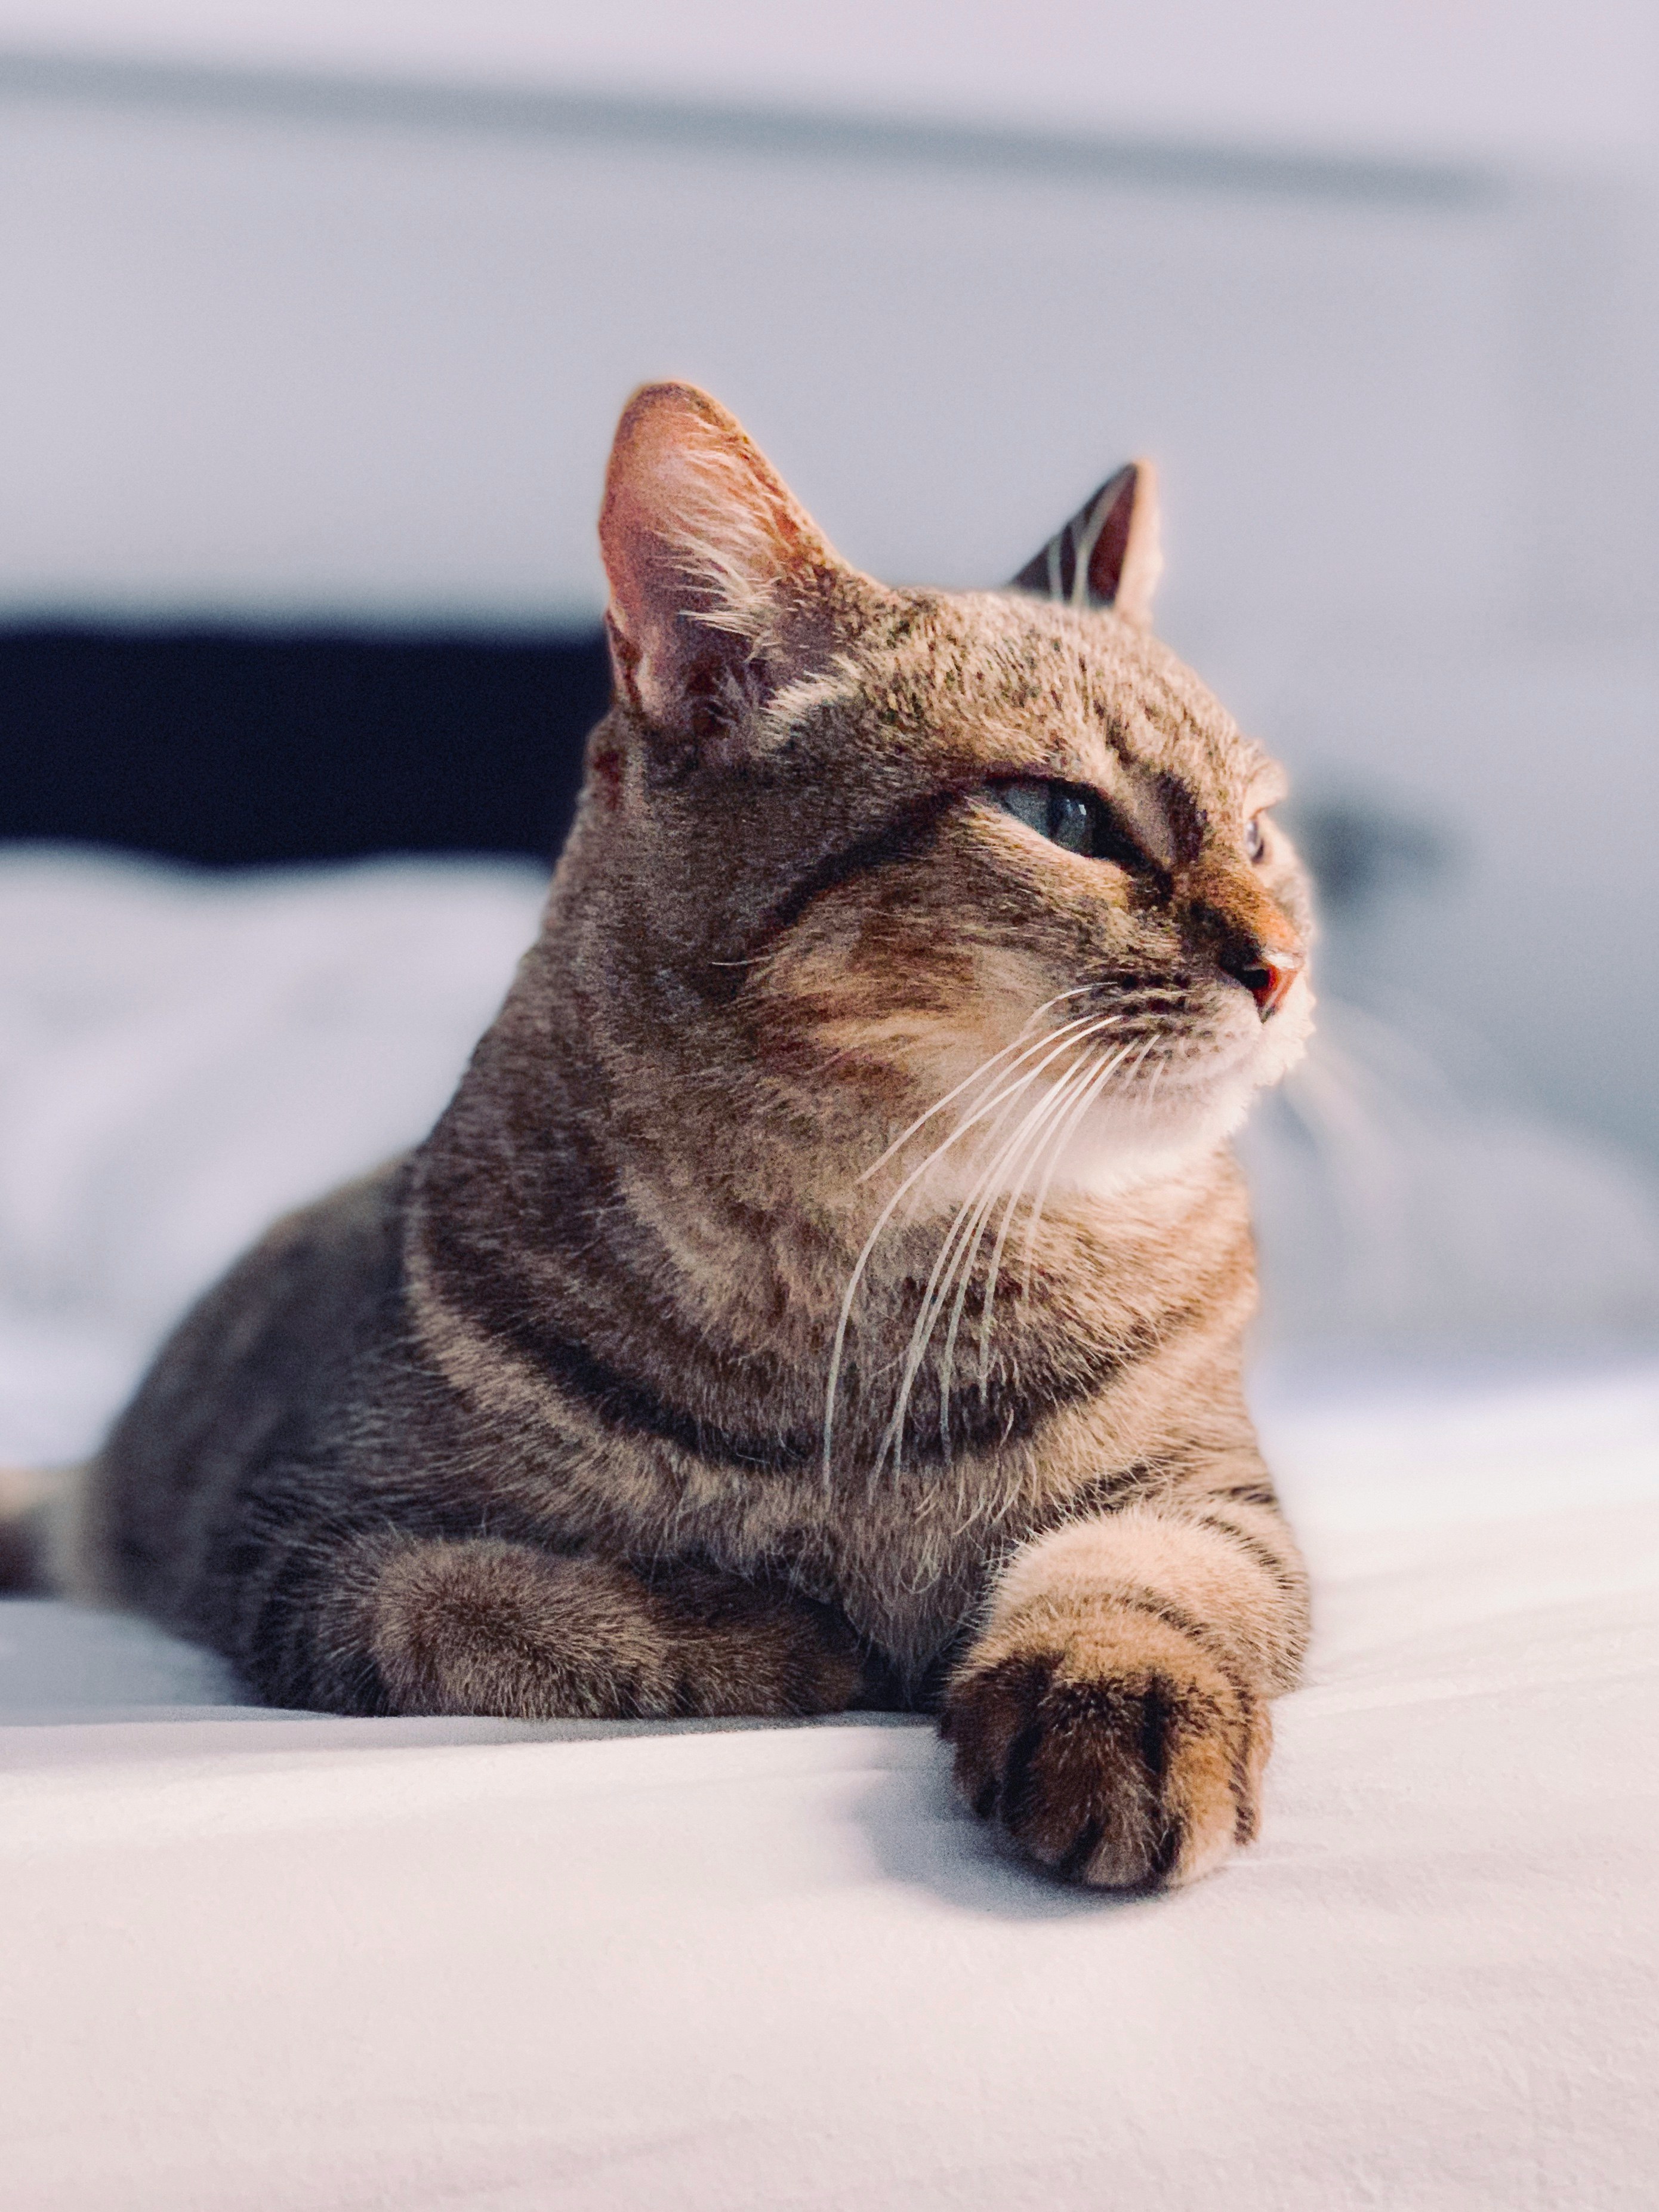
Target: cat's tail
column 40, row 1517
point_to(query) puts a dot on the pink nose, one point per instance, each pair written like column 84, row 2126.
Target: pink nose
column 1268, row 974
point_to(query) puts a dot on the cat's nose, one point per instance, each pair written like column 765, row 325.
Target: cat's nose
column 1267, row 971
column 1246, row 934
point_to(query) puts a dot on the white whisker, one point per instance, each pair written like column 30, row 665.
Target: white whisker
column 1106, row 1075
column 1014, row 1089
column 984, row 1068
column 960, row 1243
column 1040, row 1126
column 962, row 1248
column 1079, row 1102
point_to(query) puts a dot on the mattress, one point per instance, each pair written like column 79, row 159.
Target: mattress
column 264, row 1960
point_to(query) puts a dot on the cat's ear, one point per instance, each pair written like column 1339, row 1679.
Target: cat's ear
column 718, row 577
column 1107, row 554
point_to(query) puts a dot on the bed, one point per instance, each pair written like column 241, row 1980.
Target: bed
column 270, row 1960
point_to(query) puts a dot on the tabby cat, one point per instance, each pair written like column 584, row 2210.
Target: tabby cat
column 826, row 1287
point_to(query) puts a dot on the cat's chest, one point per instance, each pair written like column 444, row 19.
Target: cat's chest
column 906, row 1559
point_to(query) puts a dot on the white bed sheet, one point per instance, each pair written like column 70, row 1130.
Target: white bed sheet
column 271, row 1961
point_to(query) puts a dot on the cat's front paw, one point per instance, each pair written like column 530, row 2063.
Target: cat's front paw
column 1113, row 1745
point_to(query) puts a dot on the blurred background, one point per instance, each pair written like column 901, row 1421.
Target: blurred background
column 317, row 319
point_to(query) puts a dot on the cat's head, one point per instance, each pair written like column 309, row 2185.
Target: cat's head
column 895, row 836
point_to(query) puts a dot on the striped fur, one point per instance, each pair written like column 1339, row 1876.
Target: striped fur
column 827, row 1284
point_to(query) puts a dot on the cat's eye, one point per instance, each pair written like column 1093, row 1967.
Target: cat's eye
column 1077, row 821
column 1255, row 837
column 1055, row 810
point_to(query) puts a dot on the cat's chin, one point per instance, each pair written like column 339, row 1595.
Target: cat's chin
column 1123, row 1149
column 1174, row 1116
column 1180, row 1117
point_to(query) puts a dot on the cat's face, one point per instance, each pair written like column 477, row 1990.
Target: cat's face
column 912, row 841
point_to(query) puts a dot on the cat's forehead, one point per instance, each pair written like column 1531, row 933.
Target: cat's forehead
column 1073, row 692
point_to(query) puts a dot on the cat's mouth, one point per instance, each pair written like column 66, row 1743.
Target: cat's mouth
column 1181, row 1063
column 1171, row 1091
column 1126, row 1106
column 1187, row 1048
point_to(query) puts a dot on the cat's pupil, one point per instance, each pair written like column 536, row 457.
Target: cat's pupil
column 1068, row 819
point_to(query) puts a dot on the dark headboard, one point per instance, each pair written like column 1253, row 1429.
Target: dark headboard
column 232, row 749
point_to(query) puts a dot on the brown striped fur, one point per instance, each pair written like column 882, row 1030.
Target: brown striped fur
column 534, row 1422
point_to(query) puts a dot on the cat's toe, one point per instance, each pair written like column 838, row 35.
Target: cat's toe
column 1133, row 1766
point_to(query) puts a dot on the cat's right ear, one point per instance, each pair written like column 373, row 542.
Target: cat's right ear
column 718, row 577
column 1107, row 554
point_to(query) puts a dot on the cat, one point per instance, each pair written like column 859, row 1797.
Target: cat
column 826, row 1287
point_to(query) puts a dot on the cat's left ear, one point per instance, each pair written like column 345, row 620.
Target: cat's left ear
column 721, row 583
column 1107, row 554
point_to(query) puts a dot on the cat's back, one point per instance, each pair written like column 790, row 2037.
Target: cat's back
column 252, row 1371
